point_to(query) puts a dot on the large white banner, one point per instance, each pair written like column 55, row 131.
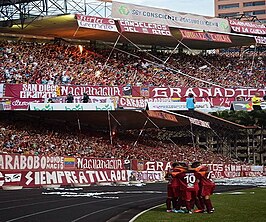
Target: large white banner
column 1, row 90
column 260, row 40
column 71, row 106
column 176, row 105
column 92, row 22
column 133, row 12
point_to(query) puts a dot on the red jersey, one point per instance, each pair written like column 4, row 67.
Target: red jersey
column 189, row 181
column 175, row 173
column 206, row 179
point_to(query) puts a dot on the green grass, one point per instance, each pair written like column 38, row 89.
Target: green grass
column 250, row 206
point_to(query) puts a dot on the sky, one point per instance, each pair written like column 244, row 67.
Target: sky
column 201, row 7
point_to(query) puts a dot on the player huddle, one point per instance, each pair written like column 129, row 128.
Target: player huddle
column 189, row 186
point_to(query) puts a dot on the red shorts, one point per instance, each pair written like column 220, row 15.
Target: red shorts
column 173, row 191
column 207, row 190
column 189, row 195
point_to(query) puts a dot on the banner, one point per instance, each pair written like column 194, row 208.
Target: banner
column 1, row 90
column 215, row 92
column 125, row 11
column 260, row 40
column 99, row 23
column 28, row 162
column 176, row 105
column 60, row 177
column 205, row 36
column 144, row 165
column 99, row 163
column 71, row 106
column 199, row 122
column 5, row 105
column 246, row 27
column 145, row 176
column 128, row 96
column 218, row 170
column 23, row 104
column 32, row 91
column 162, row 115
column 141, row 102
column 144, row 28
column 245, row 105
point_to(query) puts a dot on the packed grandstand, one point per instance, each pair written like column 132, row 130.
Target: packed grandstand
column 49, row 63
column 35, row 72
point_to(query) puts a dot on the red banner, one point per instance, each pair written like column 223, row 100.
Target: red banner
column 57, row 177
column 247, row 27
column 218, row 170
column 213, row 92
column 140, row 102
column 20, row 103
column 32, row 91
column 29, row 162
column 144, row 28
column 100, row 164
column 134, row 96
column 205, row 36
column 92, row 22
column 162, row 115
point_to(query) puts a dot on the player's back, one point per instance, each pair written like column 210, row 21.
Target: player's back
column 189, row 180
column 206, row 176
column 176, row 171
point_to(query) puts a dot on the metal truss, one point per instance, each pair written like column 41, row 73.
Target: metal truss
column 23, row 12
column 244, row 17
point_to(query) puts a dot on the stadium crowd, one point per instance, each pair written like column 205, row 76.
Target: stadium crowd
column 39, row 139
column 46, row 63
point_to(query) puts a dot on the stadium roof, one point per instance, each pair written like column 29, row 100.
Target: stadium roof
column 216, row 122
column 65, row 26
column 126, row 119
column 99, row 120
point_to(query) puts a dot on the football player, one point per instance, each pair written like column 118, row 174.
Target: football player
column 206, row 186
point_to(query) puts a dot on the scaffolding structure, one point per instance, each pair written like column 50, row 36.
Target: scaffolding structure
column 23, row 12
column 243, row 17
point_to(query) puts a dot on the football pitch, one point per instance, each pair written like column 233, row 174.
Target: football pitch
column 240, row 206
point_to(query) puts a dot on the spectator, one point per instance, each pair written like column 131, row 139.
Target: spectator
column 25, row 62
column 50, row 100
column 70, row 98
column 256, row 102
column 31, row 139
column 264, row 98
column 190, row 102
column 85, row 98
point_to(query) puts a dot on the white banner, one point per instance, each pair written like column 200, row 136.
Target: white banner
column 145, row 176
column 92, row 22
column 71, row 106
column 257, row 168
column 1, row 90
column 176, row 105
column 199, row 122
column 140, row 13
column 260, row 40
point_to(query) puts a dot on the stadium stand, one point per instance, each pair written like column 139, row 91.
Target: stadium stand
column 46, row 63
column 43, row 139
